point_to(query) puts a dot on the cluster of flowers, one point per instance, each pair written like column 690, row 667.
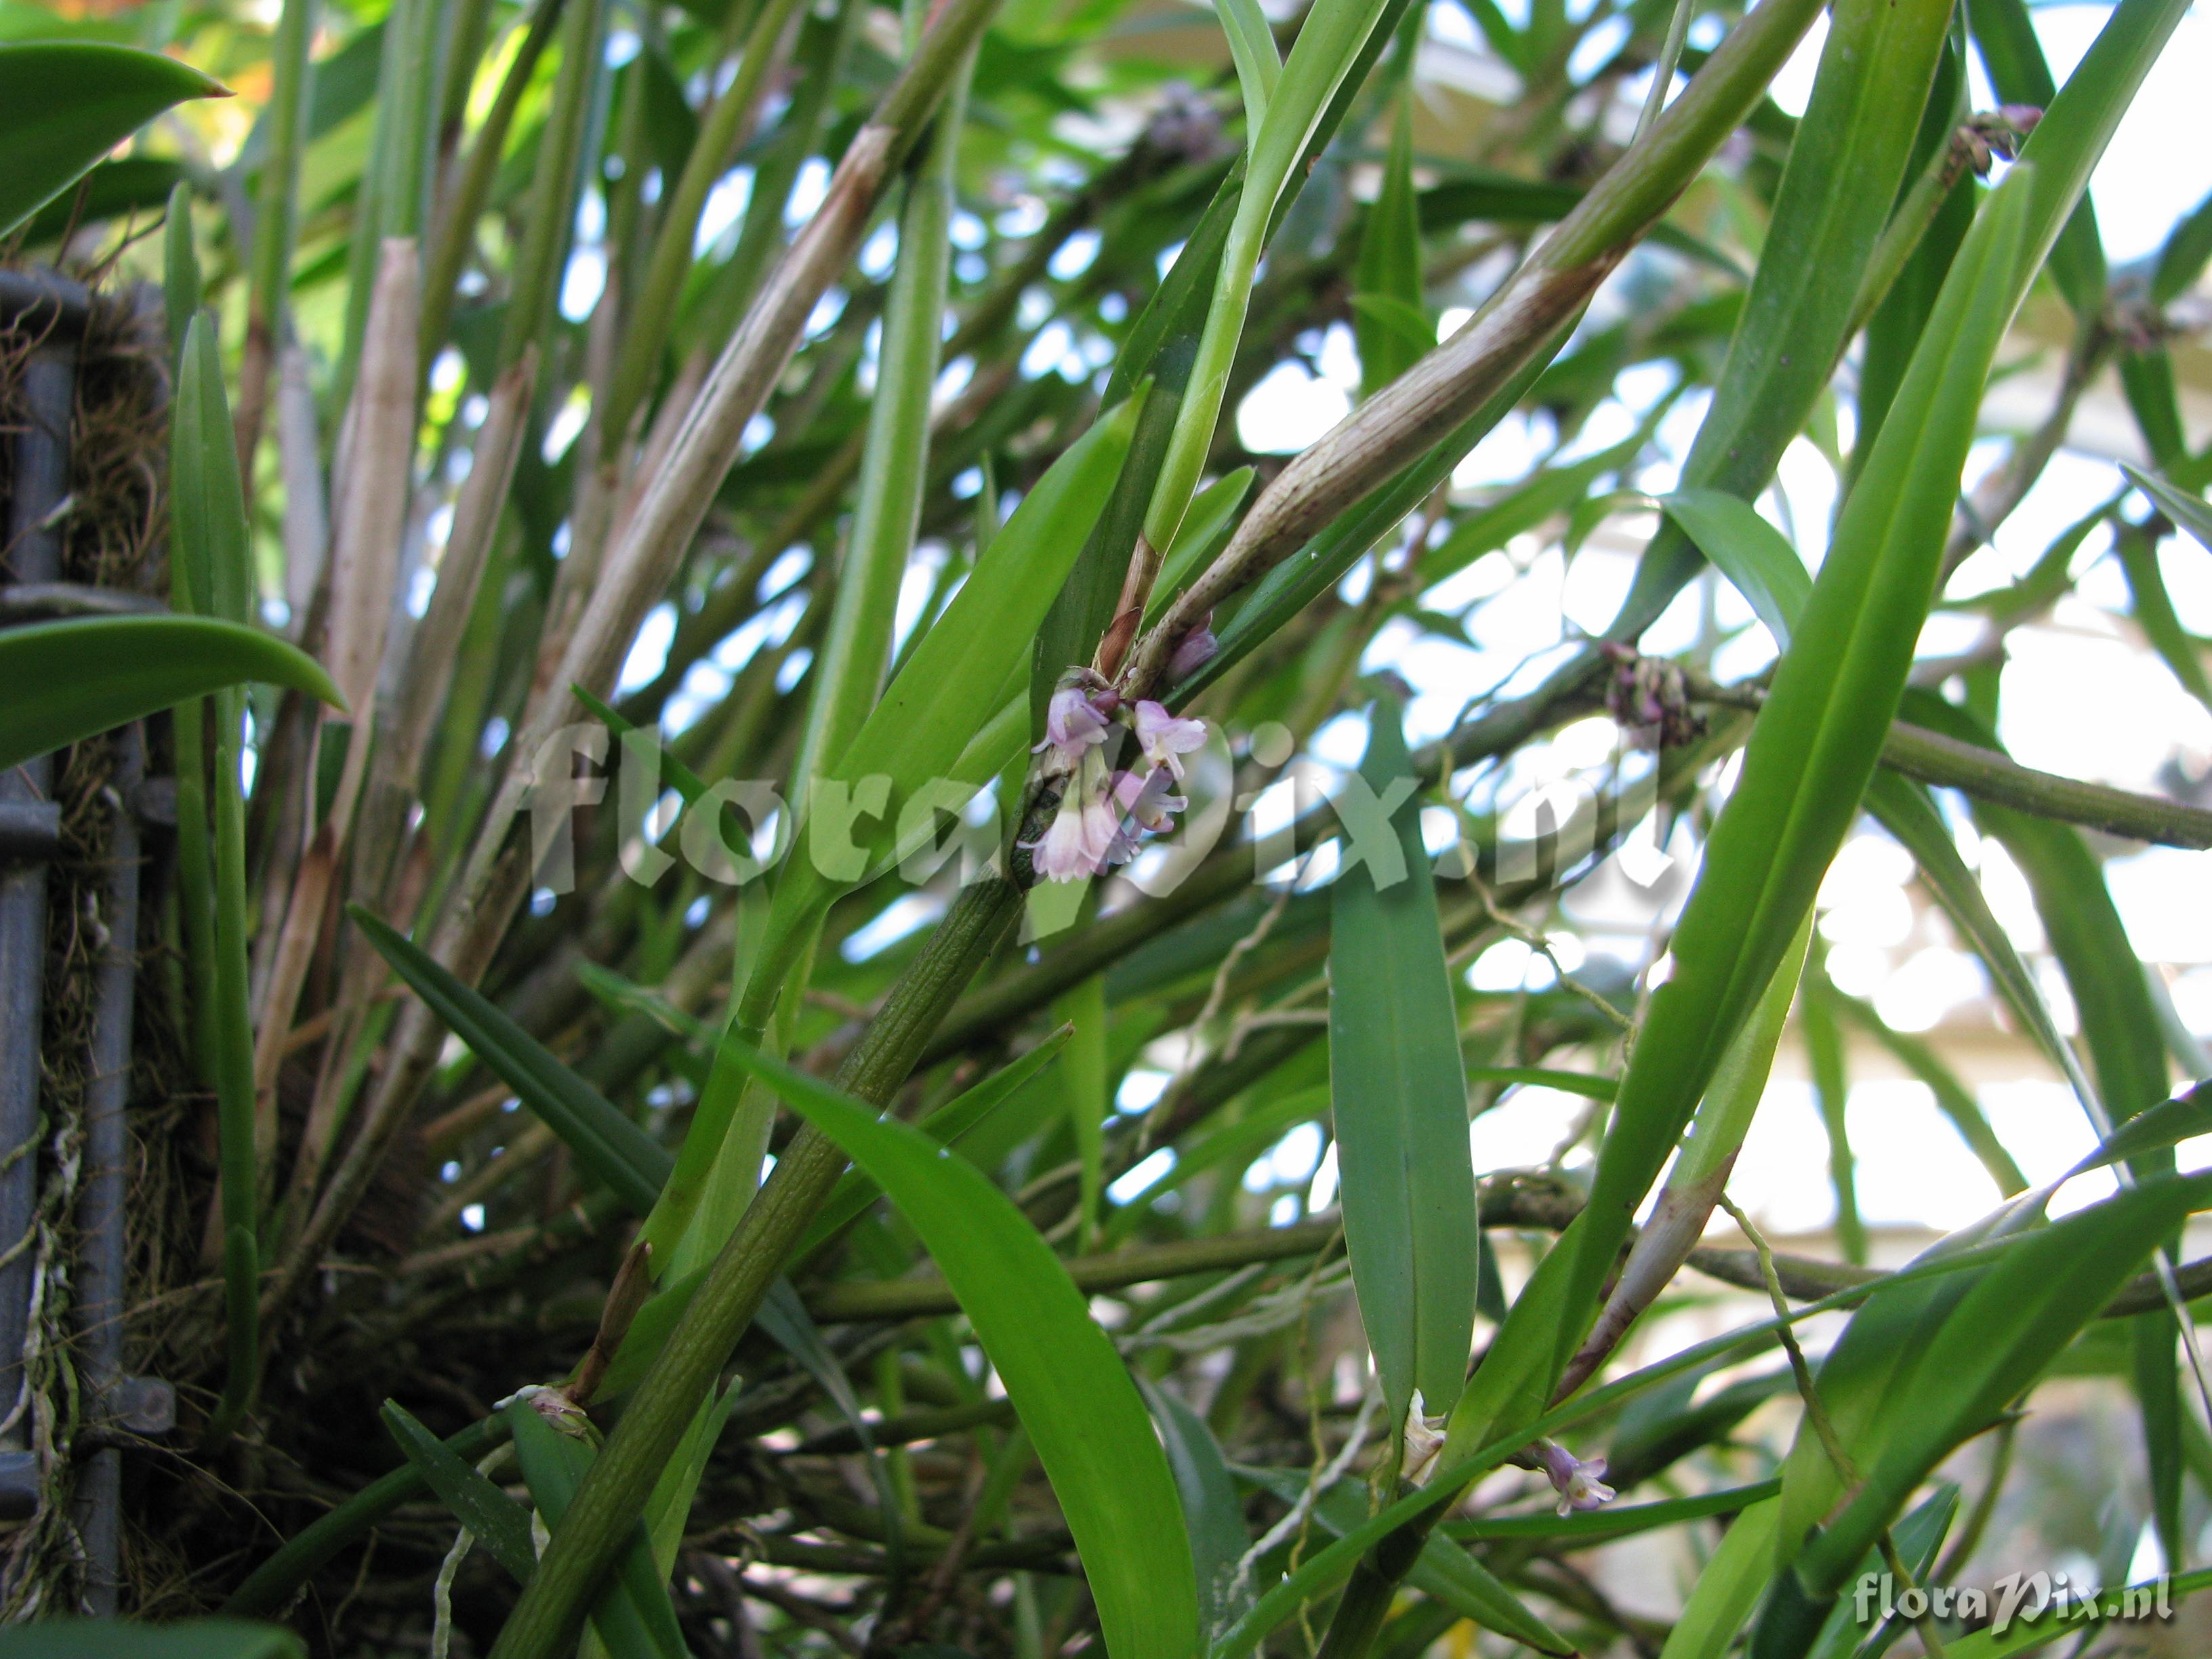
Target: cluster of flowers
column 1090, row 831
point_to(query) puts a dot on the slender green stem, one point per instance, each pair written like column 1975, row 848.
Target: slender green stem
column 614, row 1493
column 719, row 134
column 1906, row 226
column 196, row 866
column 1327, row 44
column 455, row 230
column 912, row 1298
column 1934, row 758
column 275, row 1581
column 825, row 45
column 849, row 669
column 291, row 76
column 551, row 216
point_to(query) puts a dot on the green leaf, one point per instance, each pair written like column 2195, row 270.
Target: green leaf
column 500, row 1523
column 2166, row 1124
column 954, row 679
column 1442, row 1569
column 1389, row 267
column 1583, row 1528
column 1329, row 42
column 181, row 269
column 632, row 1615
column 950, row 1125
column 609, row 1146
column 1812, row 752
column 1213, row 1512
column 1847, row 163
column 71, row 680
column 1952, row 1098
column 1399, row 1094
column 1824, row 1056
column 210, row 574
column 784, row 1317
column 69, row 103
column 2025, row 1635
column 1752, row 554
column 2119, row 1018
column 1916, row 1540
column 207, row 506
column 2015, row 1319
column 1585, row 1084
column 1252, row 45
column 689, row 786
column 1084, row 1082
column 1749, row 551
column 2182, row 260
column 117, row 1639
column 2014, row 56
column 1903, row 808
column 960, row 1123
column 2187, row 510
column 1728, row 1589
column 1068, row 1386
column 2154, row 613
column 2065, row 148
column 1549, row 491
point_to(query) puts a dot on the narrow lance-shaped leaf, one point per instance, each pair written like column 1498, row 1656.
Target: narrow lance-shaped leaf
column 212, row 555
column 2015, row 1320
column 2031, row 1632
column 2012, row 55
column 1084, row 1078
column 1073, row 1396
column 1398, row 1093
column 1952, row 1098
column 2154, row 613
column 1328, row 43
column 1847, row 161
column 1823, row 1058
column 1214, row 1512
column 1252, row 48
column 1811, row 754
column 951, row 682
column 69, row 102
column 72, row 680
column 1764, row 568
column 1443, row 1569
column 2166, row 1124
column 2188, row 511
column 1387, row 317
column 634, row 1615
column 498, row 1520
column 606, row 1143
column 1700, row 1174
column 952, row 1125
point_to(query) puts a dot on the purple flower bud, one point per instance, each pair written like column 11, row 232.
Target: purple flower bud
column 1194, row 650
